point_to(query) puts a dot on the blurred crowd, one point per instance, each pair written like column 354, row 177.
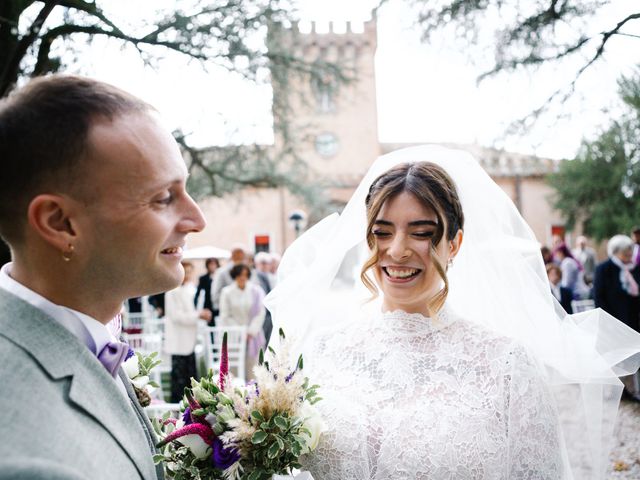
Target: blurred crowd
column 577, row 278
column 229, row 293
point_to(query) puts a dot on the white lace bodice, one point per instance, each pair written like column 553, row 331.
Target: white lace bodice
column 408, row 397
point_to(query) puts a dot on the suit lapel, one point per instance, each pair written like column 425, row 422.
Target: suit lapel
column 92, row 390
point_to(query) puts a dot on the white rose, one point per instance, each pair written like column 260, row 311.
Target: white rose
column 131, row 367
column 314, row 423
column 140, row 382
column 197, row 445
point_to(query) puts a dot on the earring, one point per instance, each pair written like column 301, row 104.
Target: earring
column 66, row 256
column 450, row 262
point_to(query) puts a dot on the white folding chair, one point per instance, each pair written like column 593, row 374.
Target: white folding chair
column 582, row 305
column 236, row 347
column 144, row 343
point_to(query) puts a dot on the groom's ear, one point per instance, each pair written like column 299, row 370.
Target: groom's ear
column 49, row 216
column 455, row 244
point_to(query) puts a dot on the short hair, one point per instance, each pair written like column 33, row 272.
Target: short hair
column 556, row 268
column 636, row 229
column 44, row 130
column 237, row 270
column 617, row 244
column 209, row 261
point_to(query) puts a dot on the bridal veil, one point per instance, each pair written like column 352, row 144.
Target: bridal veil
column 498, row 280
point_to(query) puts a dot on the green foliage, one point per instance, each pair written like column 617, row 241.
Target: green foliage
column 528, row 35
column 242, row 36
column 277, row 445
column 600, row 188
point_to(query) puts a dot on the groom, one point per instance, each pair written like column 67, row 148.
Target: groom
column 94, row 207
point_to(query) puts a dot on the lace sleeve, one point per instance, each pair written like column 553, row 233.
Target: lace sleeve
column 532, row 422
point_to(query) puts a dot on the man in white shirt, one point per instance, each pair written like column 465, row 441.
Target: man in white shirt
column 94, row 208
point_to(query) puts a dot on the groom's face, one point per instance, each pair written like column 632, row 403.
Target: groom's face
column 138, row 213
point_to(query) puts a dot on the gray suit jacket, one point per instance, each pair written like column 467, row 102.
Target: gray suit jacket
column 63, row 415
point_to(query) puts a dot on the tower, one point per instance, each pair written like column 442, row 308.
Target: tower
column 338, row 117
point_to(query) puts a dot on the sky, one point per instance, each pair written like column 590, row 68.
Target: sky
column 426, row 92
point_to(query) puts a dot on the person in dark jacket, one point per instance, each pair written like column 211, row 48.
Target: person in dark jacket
column 204, row 288
column 616, row 290
column 616, row 282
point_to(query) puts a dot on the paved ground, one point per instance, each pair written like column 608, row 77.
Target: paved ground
column 625, row 458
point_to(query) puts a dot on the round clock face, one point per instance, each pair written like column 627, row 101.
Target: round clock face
column 327, row 144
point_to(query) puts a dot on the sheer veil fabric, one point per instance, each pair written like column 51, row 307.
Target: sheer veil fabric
column 498, row 282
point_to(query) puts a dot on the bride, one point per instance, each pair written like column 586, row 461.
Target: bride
column 464, row 367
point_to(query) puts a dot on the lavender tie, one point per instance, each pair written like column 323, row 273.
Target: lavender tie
column 112, row 356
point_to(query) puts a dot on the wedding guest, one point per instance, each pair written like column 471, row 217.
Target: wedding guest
column 586, row 256
column 222, row 278
column 263, row 262
column 241, row 303
column 572, row 272
column 616, row 281
column 635, row 235
column 275, row 263
column 157, row 302
column 616, row 291
column 562, row 294
column 181, row 329
column 547, row 256
column 93, row 204
column 205, row 282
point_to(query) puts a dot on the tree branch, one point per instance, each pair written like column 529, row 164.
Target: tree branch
column 12, row 68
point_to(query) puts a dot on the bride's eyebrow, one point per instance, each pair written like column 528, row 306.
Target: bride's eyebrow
column 383, row 222
column 420, row 223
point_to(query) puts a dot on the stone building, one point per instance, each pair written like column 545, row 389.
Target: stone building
column 342, row 121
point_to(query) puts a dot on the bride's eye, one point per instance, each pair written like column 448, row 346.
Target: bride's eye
column 423, row 234
column 380, row 233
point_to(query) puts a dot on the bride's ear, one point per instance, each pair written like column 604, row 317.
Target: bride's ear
column 455, row 244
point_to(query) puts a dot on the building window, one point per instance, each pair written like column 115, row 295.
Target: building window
column 324, row 88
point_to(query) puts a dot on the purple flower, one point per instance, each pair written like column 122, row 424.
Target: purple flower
column 223, row 457
column 130, row 353
column 186, row 416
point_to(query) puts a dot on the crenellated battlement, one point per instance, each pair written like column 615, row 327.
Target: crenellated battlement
column 332, row 40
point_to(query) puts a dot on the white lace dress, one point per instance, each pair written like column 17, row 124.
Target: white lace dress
column 408, row 397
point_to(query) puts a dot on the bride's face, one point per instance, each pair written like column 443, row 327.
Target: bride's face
column 405, row 271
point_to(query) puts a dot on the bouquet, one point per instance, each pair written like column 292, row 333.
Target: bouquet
column 251, row 432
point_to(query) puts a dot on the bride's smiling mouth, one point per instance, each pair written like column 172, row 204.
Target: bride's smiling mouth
column 400, row 274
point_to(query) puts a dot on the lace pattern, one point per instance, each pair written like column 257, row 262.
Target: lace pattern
column 408, row 397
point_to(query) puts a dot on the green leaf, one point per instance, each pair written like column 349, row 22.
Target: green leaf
column 258, row 437
column 157, row 458
column 273, row 451
column 257, row 415
column 255, row 475
column 280, row 443
column 281, row 332
column 280, row 422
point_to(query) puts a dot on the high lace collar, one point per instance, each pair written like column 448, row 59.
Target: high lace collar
column 415, row 323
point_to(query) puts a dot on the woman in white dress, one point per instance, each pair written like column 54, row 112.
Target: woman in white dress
column 241, row 304
column 463, row 371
